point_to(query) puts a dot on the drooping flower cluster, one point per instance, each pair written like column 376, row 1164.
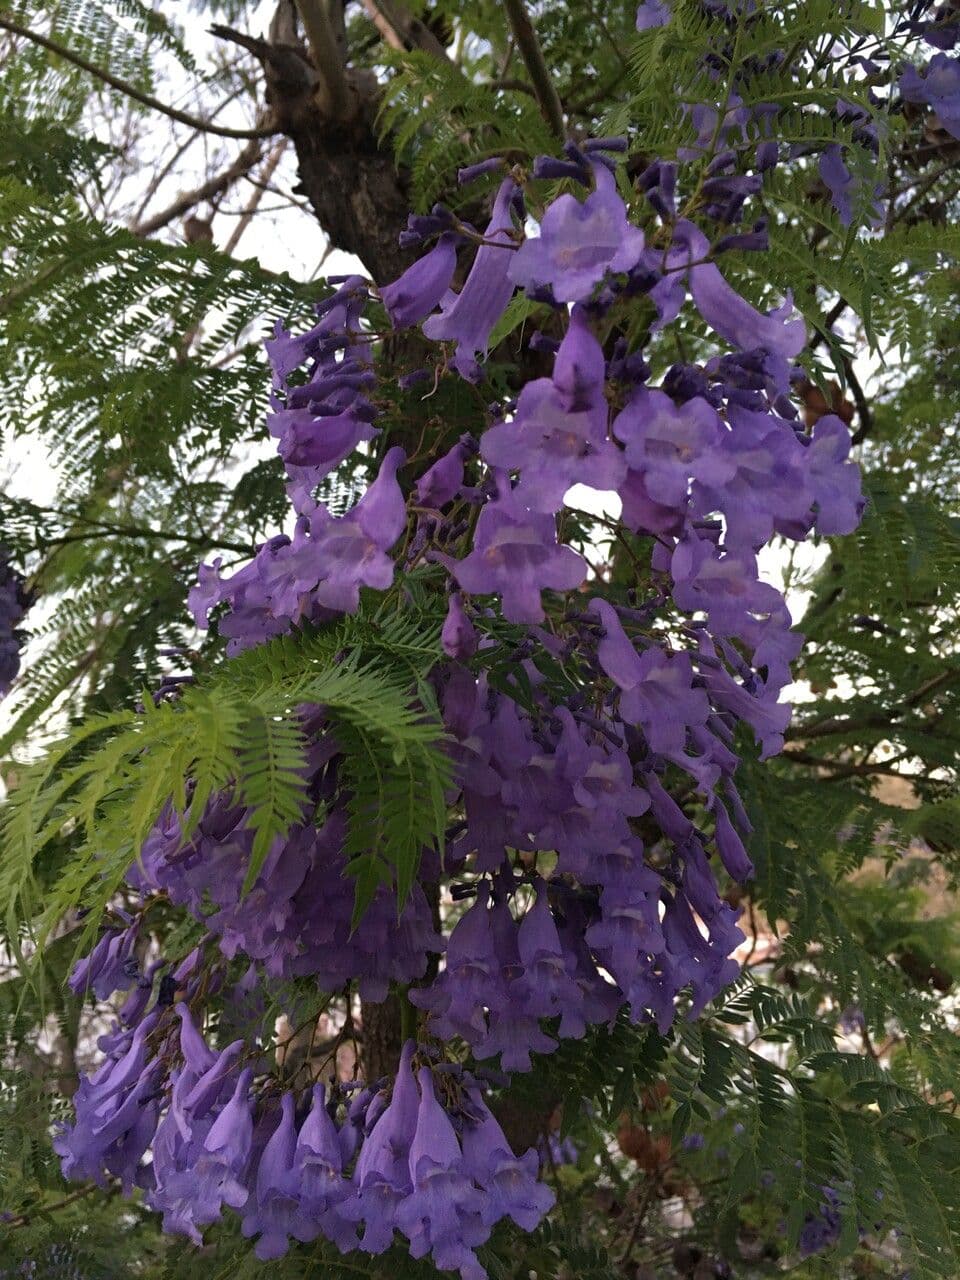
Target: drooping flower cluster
column 14, row 603
column 424, row 1157
column 584, row 724
column 296, row 919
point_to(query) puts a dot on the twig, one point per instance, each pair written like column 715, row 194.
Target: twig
column 182, row 117
column 255, row 197
column 882, row 720
column 518, row 86
column 839, row 770
column 820, row 335
column 401, row 30
column 24, row 1219
column 864, row 412
column 550, row 106
column 154, row 184
column 639, row 1215
column 214, row 186
column 121, row 531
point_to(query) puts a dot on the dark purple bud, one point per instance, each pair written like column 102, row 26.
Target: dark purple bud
column 555, row 170
column 725, row 160
column 479, row 170
column 618, row 144
column 540, row 342
column 768, row 154
column 412, row 379
column 747, row 242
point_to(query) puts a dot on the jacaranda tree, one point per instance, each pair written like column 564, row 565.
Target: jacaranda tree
column 410, row 859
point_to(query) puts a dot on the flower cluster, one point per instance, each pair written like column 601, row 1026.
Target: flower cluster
column 588, row 887
column 424, row 1157
column 937, row 85
column 14, row 603
column 295, row 920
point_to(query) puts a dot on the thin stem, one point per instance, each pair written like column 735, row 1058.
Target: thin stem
column 24, row 1219
column 256, row 196
column 401, row 30
column 122, row 86
column 121, row 531
column 839, row 770
column 529, row 46
column 214, row 186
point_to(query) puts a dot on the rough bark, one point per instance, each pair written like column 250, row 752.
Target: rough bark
column 352, row 183
column 382, row 1037
column 360, row 198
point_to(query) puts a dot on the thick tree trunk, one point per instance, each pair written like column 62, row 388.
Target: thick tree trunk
column 359, row 196
column 382, row 1037
column 353, row 185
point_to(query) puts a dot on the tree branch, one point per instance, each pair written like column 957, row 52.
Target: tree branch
column 886, row 719
column 529, row 46
column 220, row 182
column 327, row 58
column 401, row 30
column 840, row 769
column 40, row 1210
column 100, row 530
column 122, row 86
column 255, row 197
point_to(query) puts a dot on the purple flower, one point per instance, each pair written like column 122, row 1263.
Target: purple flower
column 468, row 317
column 110, row 966
column 442, row 1215
column 833, row 480
column 764, row 481
column 725, row 586
column 471, row 980
column 839, row 182
column 579, row 243
column 382, row 1176
column 317, row 442
column 546, row 986
column 442, row 482
column 733, row 855
column 580, row 367
column 553, row 448
column 274, row 1212
column 318, row 1160
column 115, row 1113
column 510, row 1184
column 735, row 319
column 641, row 513
column 222, row 1165
column 321, row 568
column 938, row 87
column 515, row 553
column 458, row 637
column 669, row 444
column 558, row 436
column 767, row 717
column 653, row 13
column 14, row 602
column 657, row 690
column 421, row 287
